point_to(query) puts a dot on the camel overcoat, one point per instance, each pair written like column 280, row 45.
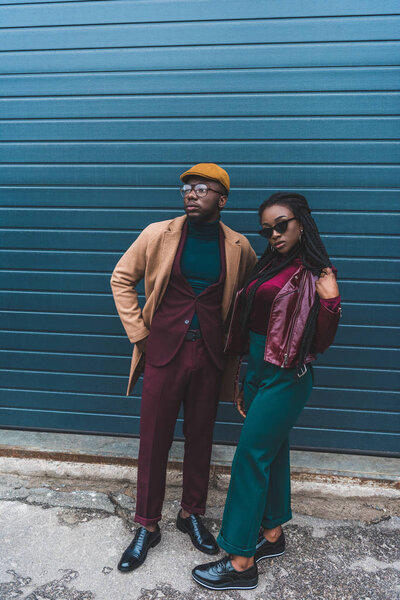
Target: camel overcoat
column 151, row 257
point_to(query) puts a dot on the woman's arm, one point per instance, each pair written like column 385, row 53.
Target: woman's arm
column 329, row 313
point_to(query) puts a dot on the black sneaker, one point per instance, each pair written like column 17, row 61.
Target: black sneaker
column 266, row 549
column 221, row 575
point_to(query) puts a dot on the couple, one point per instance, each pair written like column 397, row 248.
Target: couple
column 209, row 302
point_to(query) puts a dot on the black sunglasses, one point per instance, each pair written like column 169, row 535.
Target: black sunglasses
column 280, row 227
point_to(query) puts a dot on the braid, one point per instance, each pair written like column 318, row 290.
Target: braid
column 313, row 255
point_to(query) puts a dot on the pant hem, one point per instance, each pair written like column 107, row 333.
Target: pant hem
column 232, row 549
column 271, row 523
column 144, row 522
column 193, row 510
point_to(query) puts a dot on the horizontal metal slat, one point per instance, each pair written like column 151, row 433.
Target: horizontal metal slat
column 64, row 342
column 78, row 364
column 351, row 335
column 355, row 399
column 374, row 358
column 61, row 323
column 247, row 153
column 152, row 197
column 355, row 441
column 353, row 314
column 328, row 222
column 65, row 382
column 59, row 302
column 222, row 80
column 202, row 105
column 199, row 33
column 67, row 314
column 102, row 360
column 346, row 54
column 172, row 11
column 119, row 241
column 359, row 291
column 348, row 268
column 365, row 291
column 70, row 402
column 116, row 384
column 352, row 399
column 292, row 175
column 372, row 314
column 58, row 12
column 356, row 420
column 89, row 282
column 357, row 378
column 117, row 345
column 363, row 335
column 65, row 421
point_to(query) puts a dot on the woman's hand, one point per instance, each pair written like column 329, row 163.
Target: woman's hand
column 326, row 286
column 239, row 402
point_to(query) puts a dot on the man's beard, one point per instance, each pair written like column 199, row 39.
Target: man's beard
column 202, row 216
column 196, row 218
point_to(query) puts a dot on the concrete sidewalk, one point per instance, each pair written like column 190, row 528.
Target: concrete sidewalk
column 64, row 525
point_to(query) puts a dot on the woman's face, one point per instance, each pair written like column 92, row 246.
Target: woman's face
column 281, row 242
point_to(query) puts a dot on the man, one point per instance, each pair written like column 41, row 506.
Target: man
column 193, row 266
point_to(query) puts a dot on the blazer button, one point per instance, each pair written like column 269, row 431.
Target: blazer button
column 187, row 322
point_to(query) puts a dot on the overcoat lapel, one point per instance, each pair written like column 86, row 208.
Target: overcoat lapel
column 169, row 246
column 232, row 254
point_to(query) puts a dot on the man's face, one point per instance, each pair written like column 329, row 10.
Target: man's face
column 204, row 209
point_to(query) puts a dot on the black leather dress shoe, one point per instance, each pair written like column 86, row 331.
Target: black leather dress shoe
column 221, row 575
column 136, row 552
column 266, row 549
column 202, row 539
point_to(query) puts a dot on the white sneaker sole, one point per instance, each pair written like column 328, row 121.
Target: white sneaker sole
column 269, row 556
column 209, row 587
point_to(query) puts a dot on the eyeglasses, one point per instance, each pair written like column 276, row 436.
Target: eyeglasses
column 280, row 227
column 200, row 189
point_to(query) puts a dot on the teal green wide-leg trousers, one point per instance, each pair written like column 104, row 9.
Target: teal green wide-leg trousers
column 259, row 490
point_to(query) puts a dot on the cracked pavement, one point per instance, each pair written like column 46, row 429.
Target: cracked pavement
column 61, row 539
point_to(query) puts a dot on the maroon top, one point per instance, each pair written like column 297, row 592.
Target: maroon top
column 266, row 293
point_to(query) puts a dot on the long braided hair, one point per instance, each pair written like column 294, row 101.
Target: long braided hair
column 310, row 250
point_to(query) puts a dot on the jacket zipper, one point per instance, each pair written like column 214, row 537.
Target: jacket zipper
column 298, row 306
column 277, row 297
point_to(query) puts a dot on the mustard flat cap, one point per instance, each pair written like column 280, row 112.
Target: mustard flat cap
column 209, row 171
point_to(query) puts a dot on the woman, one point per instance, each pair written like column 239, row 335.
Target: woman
column 288, row 310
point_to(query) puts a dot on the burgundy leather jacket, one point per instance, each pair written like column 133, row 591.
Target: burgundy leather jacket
column 289, row 312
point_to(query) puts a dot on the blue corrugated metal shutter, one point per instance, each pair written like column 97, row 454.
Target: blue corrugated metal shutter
column 104, row 103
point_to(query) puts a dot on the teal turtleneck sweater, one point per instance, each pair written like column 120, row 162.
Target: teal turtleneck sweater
column 201, row 260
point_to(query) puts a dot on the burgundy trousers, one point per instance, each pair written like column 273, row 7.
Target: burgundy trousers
column 191, row 379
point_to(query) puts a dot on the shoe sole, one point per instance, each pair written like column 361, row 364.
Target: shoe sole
column 236, row 587
column 183, row 530
column 269, row 556
column 153, row 545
